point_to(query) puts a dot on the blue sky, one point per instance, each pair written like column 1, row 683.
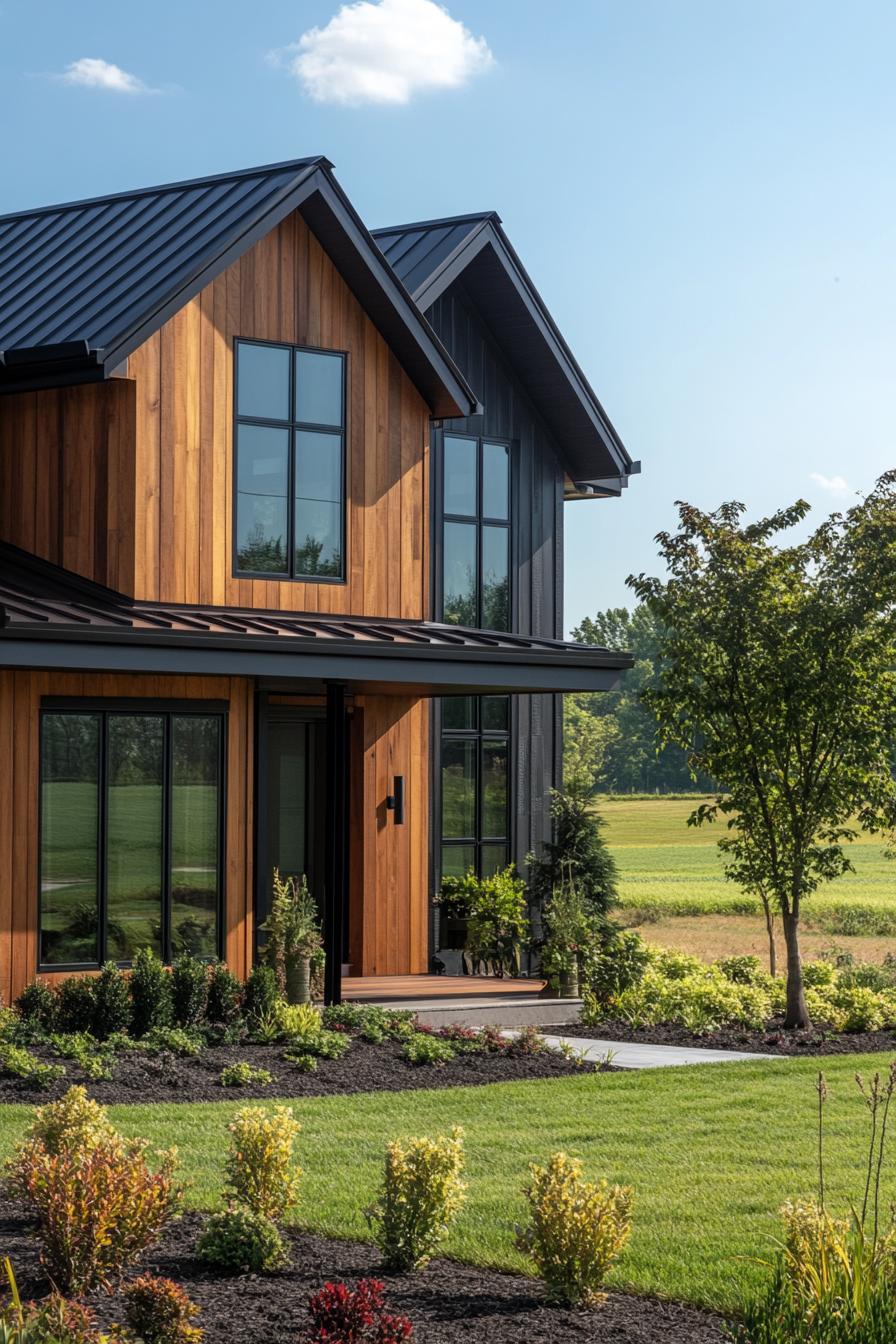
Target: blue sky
column 704, row 193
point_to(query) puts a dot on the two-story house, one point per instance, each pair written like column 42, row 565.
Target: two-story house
column 280, row 568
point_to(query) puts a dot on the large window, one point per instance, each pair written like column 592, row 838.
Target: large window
column 130, row 833
column 290, row 461
column 475, row 532
column 474, row 784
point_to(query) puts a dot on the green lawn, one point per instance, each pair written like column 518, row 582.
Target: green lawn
column 712, row 1151
column 676, row 868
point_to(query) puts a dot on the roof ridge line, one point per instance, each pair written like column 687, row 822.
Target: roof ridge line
column 437, row 223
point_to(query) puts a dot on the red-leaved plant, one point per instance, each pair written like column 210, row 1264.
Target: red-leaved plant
column 341, row 1315
column 160, row 1312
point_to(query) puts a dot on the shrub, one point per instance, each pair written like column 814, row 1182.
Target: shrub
column 616, row 963
column 425, row 1049
column 75, row 1004
column 299, row 1022
column 189, row 990
column 529, row 1041
column 329, row 1045
column 150, row 992
column 177, row 1041
column 222, row 1005
column 776, row 1318
column 260, row 997
column 577, row 1229
column 88, row 1054
column 293, row 933
column 862, row 1009
column 742, row 970
column 260, row 1170
column 75, row 1122
column 98, row 1208
column 818, row 974
column 421, row 1194
column 244, row 1075
column 340, row 1315
column 112, row 1009
column 239, row 1240
column 577, row 852
column 17, row 1062
column 300, row 1059
column 37, row 1004
column 159, row 1312
column 55, row 1320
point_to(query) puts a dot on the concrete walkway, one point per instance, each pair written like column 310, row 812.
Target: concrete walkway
column 629, row 1055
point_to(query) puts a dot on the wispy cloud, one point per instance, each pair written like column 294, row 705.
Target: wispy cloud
column 92, row 73
column 835, row 486
column 385, row 51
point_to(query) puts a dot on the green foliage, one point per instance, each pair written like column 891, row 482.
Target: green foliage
column 241, row 1241
column 425, row 1049
column 89, row 1054
column 498, row 921
column 16, row 1062
column 576, row 1231
column 75, row 1004
column 301, row 1060
column 370, row 1020
column 75, row 1122
column 223, row 997
column 617, row 963
column 37, row 1004
column 174, row 1040
column 150, row 992
column 244, row 1075
column 742, row 970
column 55, row 1320
column 298, row 1021
column 260, row 996
column 293, row 930
column 775, row 1318
column 111, row 1002
column 576, row 854
column 421, row 1193
column 572, row 931
column 261, row 1173
column 189, row 990
column 589, row 740
column 158, row 1311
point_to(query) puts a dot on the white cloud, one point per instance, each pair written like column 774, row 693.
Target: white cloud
column 833, row 485
column 385, row 51
column 92, row 73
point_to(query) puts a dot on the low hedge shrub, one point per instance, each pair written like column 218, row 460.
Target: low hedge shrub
column 150, row 993
column 342, row 1315
column 158, row 1311
column 242, row 1074
column 189, row 990
column 239, row 1241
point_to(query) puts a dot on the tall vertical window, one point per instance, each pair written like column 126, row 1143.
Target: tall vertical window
column 475, row 532
column 474, row 784
column 290, row 461
column 130, row 834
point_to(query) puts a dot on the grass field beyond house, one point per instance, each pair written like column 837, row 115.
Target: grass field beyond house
column 712, row 1151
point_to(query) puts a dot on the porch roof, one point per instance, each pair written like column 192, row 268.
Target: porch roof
column 51, row 618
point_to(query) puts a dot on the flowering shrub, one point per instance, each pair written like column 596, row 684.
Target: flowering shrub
column 73, row 1122
column 260, row 1170
column 421, row 1194
column 577, row 1230
column 244, row 1075
column 241, row 1241
column 340, row 1315
column 159, row 1312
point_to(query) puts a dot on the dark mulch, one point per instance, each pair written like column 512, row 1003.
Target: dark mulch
column 446, row 1303
column 365, row 1068
column 773, row 1040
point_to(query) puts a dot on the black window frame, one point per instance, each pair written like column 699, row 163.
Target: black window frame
column 480, row 521
column 480, row 737
column 106, row 708
column 294, row 426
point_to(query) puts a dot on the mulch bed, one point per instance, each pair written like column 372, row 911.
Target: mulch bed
column 773, row 1040
column 446, row 1303
column 364, row 1068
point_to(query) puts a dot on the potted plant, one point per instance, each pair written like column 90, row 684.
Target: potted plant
column 572, row 931
column 495, row 916
column 293, row 936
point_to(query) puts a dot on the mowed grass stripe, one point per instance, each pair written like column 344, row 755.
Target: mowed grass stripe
column 712, row 1151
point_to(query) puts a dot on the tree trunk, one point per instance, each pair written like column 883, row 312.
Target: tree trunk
column 770, row 930
column 797, row 1014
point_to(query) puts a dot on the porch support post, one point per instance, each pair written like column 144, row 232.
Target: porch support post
column 336, row 841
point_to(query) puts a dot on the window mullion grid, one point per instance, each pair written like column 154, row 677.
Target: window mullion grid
column 103, row 840
column 166, row 885
column 291, row 472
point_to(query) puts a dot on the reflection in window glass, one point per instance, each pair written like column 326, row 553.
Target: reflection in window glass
column 458, row 788
column 494, row 787
column 495, row 480
column 495, row 579
column 459, row 565
column 493, row 859
column 475, row 755
column 195, row 880
column 496, row 712
column 459, row 459
column 319, row 382
column 318, row 503
column 457, row 859
column 263, row 381
column 69, row 872
column 458, row 711
column 262, row 493
column 134, row 834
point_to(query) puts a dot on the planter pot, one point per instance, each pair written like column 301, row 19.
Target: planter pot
column 298, row 980
column 569, row 985
column 452, row 933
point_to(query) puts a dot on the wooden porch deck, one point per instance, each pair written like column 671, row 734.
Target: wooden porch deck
column 418, row 988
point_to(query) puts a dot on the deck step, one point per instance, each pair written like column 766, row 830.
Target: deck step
column 515, row 1010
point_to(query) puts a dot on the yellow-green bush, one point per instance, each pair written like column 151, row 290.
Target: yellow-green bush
column 261, row 1173
column 576, row 1231
column 75, row 1122
column 421, row 1194
column 298, row 1021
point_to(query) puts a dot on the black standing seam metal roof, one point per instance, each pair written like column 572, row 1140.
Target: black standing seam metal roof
column 429, row 256
column 83, row 284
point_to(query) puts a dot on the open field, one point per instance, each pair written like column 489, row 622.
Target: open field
column 669, row 869
column 712, row 1151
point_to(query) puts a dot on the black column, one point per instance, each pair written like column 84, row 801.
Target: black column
column 336, row 840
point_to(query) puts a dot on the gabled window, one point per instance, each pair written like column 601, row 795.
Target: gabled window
column 289, row 449
column 474, row 784
column 475, row 532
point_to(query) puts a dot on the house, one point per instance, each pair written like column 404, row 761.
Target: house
column 280, row 568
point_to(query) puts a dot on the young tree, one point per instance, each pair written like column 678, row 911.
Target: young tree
column 778, row 674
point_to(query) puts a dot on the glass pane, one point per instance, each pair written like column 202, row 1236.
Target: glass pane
column 318, row 466
column 195, row 764
column 496, row 712
column 319, row 380
column 459, row 568
column 456, row 859
column 318, row 503
column 263, row 381
column 495, row 579
column 460, row 476
column 134, row 841
column 494, row 788
column 263, row 488
column 69, row 808
column 458, row 711
column 458, row 788
column 495, row 480
column 492, row 858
